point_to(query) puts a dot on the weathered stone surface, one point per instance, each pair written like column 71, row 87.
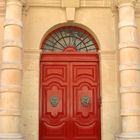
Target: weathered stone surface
column 43, row 16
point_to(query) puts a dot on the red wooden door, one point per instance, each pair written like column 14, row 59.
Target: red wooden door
column 69, row 97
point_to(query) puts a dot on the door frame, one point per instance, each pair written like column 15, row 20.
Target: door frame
column 70, row 54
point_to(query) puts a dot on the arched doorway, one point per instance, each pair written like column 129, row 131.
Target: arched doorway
column 69, row 86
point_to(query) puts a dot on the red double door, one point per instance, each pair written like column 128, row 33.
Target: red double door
column 69, row 98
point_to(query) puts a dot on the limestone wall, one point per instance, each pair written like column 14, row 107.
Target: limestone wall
column 40, row 17
column 100, row 18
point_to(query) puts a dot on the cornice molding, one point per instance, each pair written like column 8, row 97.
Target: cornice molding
column 82, row 3
column 47, row 3
column 32, row 51
column 70, row 3
column 95, row 3
column 135, row 3
column 126, row 2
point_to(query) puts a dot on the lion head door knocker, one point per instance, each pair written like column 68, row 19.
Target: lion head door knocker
column 54, row 100
column 85, row 100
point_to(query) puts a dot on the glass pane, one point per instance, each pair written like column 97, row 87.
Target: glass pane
column 69, row 36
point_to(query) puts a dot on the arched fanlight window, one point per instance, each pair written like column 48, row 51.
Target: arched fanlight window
column 69, row 36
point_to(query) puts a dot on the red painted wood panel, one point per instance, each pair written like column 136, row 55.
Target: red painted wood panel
column 85, row 120
column 71, row 82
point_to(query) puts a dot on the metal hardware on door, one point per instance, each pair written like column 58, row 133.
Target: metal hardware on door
column 85, row 100
column 54, row 100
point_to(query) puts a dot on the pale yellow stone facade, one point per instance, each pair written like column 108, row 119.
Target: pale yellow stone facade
column 112, row 24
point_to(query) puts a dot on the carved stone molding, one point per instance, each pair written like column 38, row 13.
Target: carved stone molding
column 70, row 14
column 47, row 3
column 130, row 89
column 11, row 136
column 134, row 3
column 137, row 8
column 32, row 50
column 107, row 55
column 130, row 112
column 13, row 22
column 122, row 3
column 11, row 66
column 124, row 67
column 95, row 3
column 70, row 3
column 131, row 136
column 10, row 88
column 15, row 2
column 2, row 7
column 8, row 112
column 127, row 24
column 12, row 43
column 130, row 44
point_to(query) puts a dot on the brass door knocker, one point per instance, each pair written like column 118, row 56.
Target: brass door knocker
column 54, row 100
column 85, row 100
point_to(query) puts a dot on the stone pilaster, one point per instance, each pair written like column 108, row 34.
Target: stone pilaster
column 129, row 72
column 11, row 72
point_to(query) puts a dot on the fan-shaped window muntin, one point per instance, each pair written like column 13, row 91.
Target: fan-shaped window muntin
column 64, row 37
